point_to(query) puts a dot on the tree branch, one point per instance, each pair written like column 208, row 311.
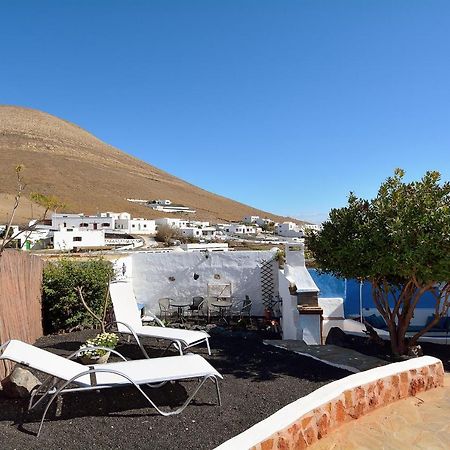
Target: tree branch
column 92, row 313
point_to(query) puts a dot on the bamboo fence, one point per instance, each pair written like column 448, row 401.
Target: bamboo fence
column 20, row 300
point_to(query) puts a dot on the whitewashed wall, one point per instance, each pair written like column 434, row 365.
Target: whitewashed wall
column 150, row 272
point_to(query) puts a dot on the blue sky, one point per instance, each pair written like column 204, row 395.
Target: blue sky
column 284, row 105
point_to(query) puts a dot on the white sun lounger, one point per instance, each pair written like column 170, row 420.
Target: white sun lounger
column 66, row 375
column 129, row 322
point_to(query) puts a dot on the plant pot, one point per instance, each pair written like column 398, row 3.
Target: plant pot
column 89, row 361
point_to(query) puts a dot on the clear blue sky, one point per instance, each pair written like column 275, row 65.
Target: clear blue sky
column 284, row 105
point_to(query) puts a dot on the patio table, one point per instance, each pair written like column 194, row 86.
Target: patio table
column 223, row 305
column 181, row 305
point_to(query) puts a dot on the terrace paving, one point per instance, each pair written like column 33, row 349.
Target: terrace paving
column 333, row 355
column 420, row 422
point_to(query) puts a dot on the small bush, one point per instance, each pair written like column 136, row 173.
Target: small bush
column 167, row 234
column 62, row 307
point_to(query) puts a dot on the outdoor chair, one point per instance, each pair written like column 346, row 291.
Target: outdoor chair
column 66, row 375
column 129, row 322
column 195, row 308
column 212, row 311
column 246, row 308
column 165, row 308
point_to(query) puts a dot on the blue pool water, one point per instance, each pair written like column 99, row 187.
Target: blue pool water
column 349, row 290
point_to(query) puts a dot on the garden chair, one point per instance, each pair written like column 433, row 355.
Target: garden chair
column 66, row 375
column 165, row 307
column 246, row 308
column 129, row 322
column 194, row 309
column 212, row 311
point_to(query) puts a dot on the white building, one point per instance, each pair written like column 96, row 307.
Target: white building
column 68, row 239
column 250, row 219
column 137, row 225
column 198, row 232
column 82, row 222
column 260, row 221
column 35, row 239
column 311, row 226
column 288, row 229
column 264, row 221
column 174, row 223
column 240, row 229
column 160, row 202
column 168, row 206
column 198, row 223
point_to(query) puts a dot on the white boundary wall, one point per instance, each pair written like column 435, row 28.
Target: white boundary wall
column 151, row 275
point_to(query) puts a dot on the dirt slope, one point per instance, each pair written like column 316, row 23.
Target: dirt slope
column 88, row 175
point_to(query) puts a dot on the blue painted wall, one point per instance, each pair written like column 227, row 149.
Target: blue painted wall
column 331, row 286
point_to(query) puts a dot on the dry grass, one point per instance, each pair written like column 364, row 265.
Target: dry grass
column 88, row 175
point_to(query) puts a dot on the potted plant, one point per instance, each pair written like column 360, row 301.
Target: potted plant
column 104, row 339
column 98, row 356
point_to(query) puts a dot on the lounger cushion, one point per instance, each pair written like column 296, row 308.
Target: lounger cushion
column 141, row 371
column 126, row 310
column 189, row 337
column 155, row 370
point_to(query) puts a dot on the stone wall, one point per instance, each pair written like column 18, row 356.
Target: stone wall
column 305, row 421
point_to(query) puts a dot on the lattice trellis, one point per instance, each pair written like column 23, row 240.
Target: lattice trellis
column 267, row 283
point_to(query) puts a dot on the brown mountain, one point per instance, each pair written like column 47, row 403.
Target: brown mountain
column 63, row 160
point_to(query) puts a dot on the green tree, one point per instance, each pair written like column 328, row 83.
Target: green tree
column 61, row 304
column 400, row 242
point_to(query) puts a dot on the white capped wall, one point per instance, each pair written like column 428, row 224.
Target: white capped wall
column 150, row 273
column 68, row 239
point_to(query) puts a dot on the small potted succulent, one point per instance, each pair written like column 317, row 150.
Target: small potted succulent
column 97, row 356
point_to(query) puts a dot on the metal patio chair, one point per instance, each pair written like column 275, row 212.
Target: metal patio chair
column 196, row 308
column 165, row 308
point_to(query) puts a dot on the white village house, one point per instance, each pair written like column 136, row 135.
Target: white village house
column 240, row 229
column 289, row 229
column 138, row 225
column 80, row 221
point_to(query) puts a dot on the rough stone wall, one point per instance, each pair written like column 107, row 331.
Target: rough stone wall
column 352, row 404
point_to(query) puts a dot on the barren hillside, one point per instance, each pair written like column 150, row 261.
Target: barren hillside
column 88, row 175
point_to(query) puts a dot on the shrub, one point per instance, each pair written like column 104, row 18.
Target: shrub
column 62, row 308
column 167, row 234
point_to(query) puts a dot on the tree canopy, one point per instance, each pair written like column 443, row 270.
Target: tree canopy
column 404, row 231
column 400, row 241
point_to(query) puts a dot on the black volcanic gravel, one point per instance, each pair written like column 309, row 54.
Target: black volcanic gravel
column 258, row 381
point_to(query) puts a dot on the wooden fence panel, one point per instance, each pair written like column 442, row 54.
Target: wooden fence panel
column 20, row 299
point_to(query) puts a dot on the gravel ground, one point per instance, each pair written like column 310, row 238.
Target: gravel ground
column 258, row 380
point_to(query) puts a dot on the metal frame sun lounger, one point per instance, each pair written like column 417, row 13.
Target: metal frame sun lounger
column 129, row 322
column 66, row 375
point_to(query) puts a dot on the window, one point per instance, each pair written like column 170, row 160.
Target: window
column 105, row 224
column 83, row 224
column 77, row 239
